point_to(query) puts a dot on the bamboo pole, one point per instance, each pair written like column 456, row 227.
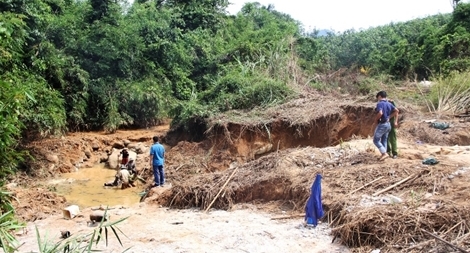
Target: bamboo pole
column 393, row 186
column 221, row 189
column 362, row 187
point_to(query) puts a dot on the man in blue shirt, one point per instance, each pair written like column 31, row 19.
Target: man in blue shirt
column 157, row 159
column 385, row 111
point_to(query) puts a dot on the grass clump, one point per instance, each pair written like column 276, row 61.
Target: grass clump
column 451, row 94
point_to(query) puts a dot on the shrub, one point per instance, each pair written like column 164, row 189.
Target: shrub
column 451, row 94
column 246, row 91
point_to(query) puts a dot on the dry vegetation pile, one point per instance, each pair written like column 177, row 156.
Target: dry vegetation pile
column 361, row 216
column 283, row 175
column 301, row 111
column 394, row 221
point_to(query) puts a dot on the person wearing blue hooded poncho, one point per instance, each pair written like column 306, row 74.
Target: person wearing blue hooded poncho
column 314, row 208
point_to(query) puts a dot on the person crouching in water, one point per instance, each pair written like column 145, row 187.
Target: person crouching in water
column 125, row 176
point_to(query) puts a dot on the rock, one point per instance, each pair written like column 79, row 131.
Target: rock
column 118, row 145
column 98, row 216
column 52, row 158
column 127, row 142
column 141, row 149
column 11, row 186
column 133, row 145
column 95, row 146
column 103, row 159
column 88, row 154
column 113, row 158
column 395, row 199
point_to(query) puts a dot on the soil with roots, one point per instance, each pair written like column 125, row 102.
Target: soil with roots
column 239, row 183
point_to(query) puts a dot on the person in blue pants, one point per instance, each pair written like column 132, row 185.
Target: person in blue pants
column 384, row 111
column 157, row 160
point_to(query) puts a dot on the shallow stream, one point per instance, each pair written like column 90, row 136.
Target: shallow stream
column 85, row 188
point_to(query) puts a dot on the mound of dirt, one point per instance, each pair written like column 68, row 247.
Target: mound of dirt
column 421, row 131
column 284, row 175
column 36, row 203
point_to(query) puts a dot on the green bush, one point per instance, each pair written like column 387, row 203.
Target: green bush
column 185, row 111
column 44, row 113
column 144, row 103
column 246, row 91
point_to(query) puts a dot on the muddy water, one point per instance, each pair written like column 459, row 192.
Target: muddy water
column 85, row 188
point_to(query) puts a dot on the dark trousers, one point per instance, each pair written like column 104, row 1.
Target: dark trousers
column 392, row 142
column 158, row 174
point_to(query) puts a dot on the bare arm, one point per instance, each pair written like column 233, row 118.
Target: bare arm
column 378, row 116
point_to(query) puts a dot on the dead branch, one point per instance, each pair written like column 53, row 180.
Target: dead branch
column 393, row 186
column 446, row 242
column 288, row 217
column 221, row 189
column 362, row 187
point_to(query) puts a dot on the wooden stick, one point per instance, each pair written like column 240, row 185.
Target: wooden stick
column 288, row 216
column 142, row 172
column 221, row 189
column 392, row 186
column 181, row 166
column 446, row 242
column 452, row 228
column 362, row 187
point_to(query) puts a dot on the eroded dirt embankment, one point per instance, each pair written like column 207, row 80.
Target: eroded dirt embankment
column 301, row 123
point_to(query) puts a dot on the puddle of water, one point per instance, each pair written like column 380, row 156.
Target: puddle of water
column 85, row 188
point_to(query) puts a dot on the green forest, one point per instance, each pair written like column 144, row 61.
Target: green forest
column 77, row 65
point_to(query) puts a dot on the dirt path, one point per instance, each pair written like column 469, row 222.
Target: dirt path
column 153, row 229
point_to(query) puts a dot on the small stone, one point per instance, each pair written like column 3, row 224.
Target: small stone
column 103, row 159
column 95, row 146
column 118, row 145
column 395, row 200
column 88, row 154
column 52, row 158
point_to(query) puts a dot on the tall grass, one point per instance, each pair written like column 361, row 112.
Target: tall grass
column 451, row 94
